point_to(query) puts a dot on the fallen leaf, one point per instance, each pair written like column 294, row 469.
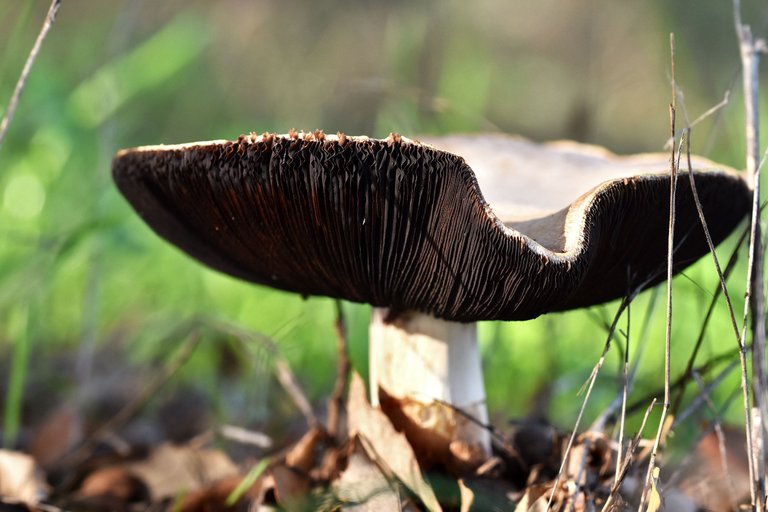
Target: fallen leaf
column 19, row 477
column 114, row 483
column 171, row 470
column 715, row 480
column 363, row 487
column 56, row 435
column 534, row 499
column 433, row 439
column 212, row 498
column 384, row 445
column 654, row 498
column 291, row 486
column 302, row 455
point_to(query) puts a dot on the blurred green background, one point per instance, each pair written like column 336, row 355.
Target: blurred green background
column 81, row 275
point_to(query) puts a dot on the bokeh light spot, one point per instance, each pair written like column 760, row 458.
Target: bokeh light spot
column 24, row 196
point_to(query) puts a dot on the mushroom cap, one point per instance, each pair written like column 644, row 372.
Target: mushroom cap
column 398, row 223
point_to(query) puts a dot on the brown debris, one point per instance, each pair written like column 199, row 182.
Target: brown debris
column 433, row 449
column 708, row 482
column 213, row 498
column 113, row 485
column 388, row 448
column 363, row 486
column 19, row 477
column 58, row 433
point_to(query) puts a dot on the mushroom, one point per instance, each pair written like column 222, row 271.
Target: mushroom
column 433, row 241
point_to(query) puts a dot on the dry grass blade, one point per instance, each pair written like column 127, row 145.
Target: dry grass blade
column 755, row 465
column 625, row 393
column 589, row 385
column 125, row 414
column 699, row 400
column 14, row 101
column 711, row 111
column 750, row 50
column 283, row 372
column 721, row 287
column 617, row 404
column 625, row 464
column 670, row 254
column 343, row 367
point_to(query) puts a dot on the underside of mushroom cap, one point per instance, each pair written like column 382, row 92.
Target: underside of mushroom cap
column 400, row 224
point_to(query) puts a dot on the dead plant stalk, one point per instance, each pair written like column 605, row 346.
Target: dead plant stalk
column 750, row 50
column 19, row 88
column 670, row 255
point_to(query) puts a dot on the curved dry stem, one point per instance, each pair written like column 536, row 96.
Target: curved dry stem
column 14, row 101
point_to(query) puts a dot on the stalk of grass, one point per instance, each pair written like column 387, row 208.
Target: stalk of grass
column 18, row 374
column 721, row 288
column 750, row 50
column 625, row 464
column 625, row 392
column 14, row 101
column 588, row 385
column 670, row 255
column 21, row 349
column 618, row 401
column 12, row 43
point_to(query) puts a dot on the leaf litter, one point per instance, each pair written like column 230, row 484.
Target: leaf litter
column 366, row 465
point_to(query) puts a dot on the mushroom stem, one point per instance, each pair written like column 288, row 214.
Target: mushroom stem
column 426, row 369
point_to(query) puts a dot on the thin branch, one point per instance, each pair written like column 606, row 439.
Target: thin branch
column 283, row 372
column 600, row 422
column 750, row 50
column 709, row 112
column 14, row 101
column 127, row 412
column 589, row 385
column 699, row 400
column 336, row 402
column 670, row 261
column 627, row 459
column 625, row 392
column 721, row 286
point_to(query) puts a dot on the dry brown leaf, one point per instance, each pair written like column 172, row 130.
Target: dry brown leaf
column 386, row 446
column 19, row 478
column 708, row 482
column 291, row 486
column 213, row 498
column 58, row 433
column 113, row 483
column 171, row 469
column 655, row 501
column 363, row 487
column 534, row 499
column 302, row 455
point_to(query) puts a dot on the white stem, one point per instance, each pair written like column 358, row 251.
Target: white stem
column 424, row 360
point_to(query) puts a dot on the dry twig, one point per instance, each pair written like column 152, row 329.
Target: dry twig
column 670, row 254
column 589, row 385
column 336, row 402
column 750, row 50
column 14, row 101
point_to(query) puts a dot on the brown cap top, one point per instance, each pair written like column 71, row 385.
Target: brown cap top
column 400, row 224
